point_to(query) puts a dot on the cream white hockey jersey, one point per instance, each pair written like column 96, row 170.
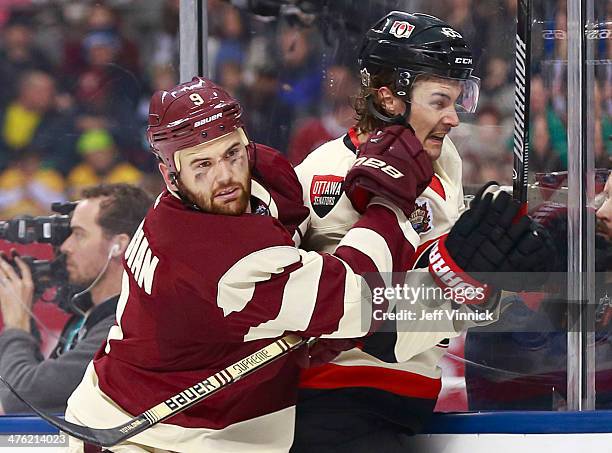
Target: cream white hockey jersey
column 403, row 362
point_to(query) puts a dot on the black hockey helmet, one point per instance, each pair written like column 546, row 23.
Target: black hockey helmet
column 415, row 44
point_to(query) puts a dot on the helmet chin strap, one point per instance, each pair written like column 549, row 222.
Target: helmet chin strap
column 401, row 120
column 186, row 201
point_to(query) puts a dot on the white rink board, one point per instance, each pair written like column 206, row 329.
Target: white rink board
column 510, row 443
column 462, row 443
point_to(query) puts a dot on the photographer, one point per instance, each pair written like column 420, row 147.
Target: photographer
column 101, row 228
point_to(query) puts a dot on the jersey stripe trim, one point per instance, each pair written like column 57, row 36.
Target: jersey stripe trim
column 436, row 186
column 354, row 138
column 421, row 251
column 372, row 244
column 298, row 301
column 237, row 286
column 403, row 383
column 349, row 322
column 405, row 226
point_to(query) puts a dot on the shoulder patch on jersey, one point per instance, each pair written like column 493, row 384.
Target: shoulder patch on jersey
column 325, row 191
column 421, row 217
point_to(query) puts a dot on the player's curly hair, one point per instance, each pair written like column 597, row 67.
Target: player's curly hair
column 366, row 122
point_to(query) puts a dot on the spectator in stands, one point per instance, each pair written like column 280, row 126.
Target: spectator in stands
column 313, row 132
column 555, row 56
column 498, row 87
column 101, row 163
column 102, row 226
column 104, row 18
column 232, row 43
column 542, row 158
column 18, row 53
column 230, row 76
column 337, row 116
column 541, row 105
column 602, row 129
column 107, row 88
column 300, row 71
column 24, row 115
column 100, row 18
column 106, row 92
column 26, row 187
column 165, row 38
column 31, row 120
column 262, row 109
column 484, row 153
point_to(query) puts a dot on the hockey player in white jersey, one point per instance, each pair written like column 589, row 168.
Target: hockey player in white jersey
column 416, row 73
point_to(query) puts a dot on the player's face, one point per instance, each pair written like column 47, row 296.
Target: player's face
column 604, row 213
column 87, row 247
column 215, row 175
column 433, row 113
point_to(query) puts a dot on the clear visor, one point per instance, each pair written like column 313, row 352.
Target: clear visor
column 445, row 93
column 470, row 92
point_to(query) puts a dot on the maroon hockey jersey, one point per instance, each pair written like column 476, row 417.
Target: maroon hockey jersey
column 201, row 291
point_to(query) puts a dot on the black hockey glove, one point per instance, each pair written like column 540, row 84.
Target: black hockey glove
column 494, row 249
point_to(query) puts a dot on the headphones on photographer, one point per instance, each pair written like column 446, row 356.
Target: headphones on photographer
column 114, row 250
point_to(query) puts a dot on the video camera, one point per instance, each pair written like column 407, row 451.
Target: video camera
column 53, row 230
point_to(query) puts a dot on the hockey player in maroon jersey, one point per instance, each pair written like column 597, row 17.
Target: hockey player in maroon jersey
column 416, row 74
column 213, row 274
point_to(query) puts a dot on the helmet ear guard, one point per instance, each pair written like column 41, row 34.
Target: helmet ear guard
column 401, row 120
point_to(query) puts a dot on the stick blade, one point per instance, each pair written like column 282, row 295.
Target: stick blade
column 105, row 437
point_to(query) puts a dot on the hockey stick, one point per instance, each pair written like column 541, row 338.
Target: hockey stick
column 107, row 437
column 520, row 171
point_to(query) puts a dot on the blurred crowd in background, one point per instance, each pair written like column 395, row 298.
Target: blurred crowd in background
column 76, row 78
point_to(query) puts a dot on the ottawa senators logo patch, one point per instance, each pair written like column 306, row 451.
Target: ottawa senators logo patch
column 401, row 29
column 325, row 191
column 421, row 217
